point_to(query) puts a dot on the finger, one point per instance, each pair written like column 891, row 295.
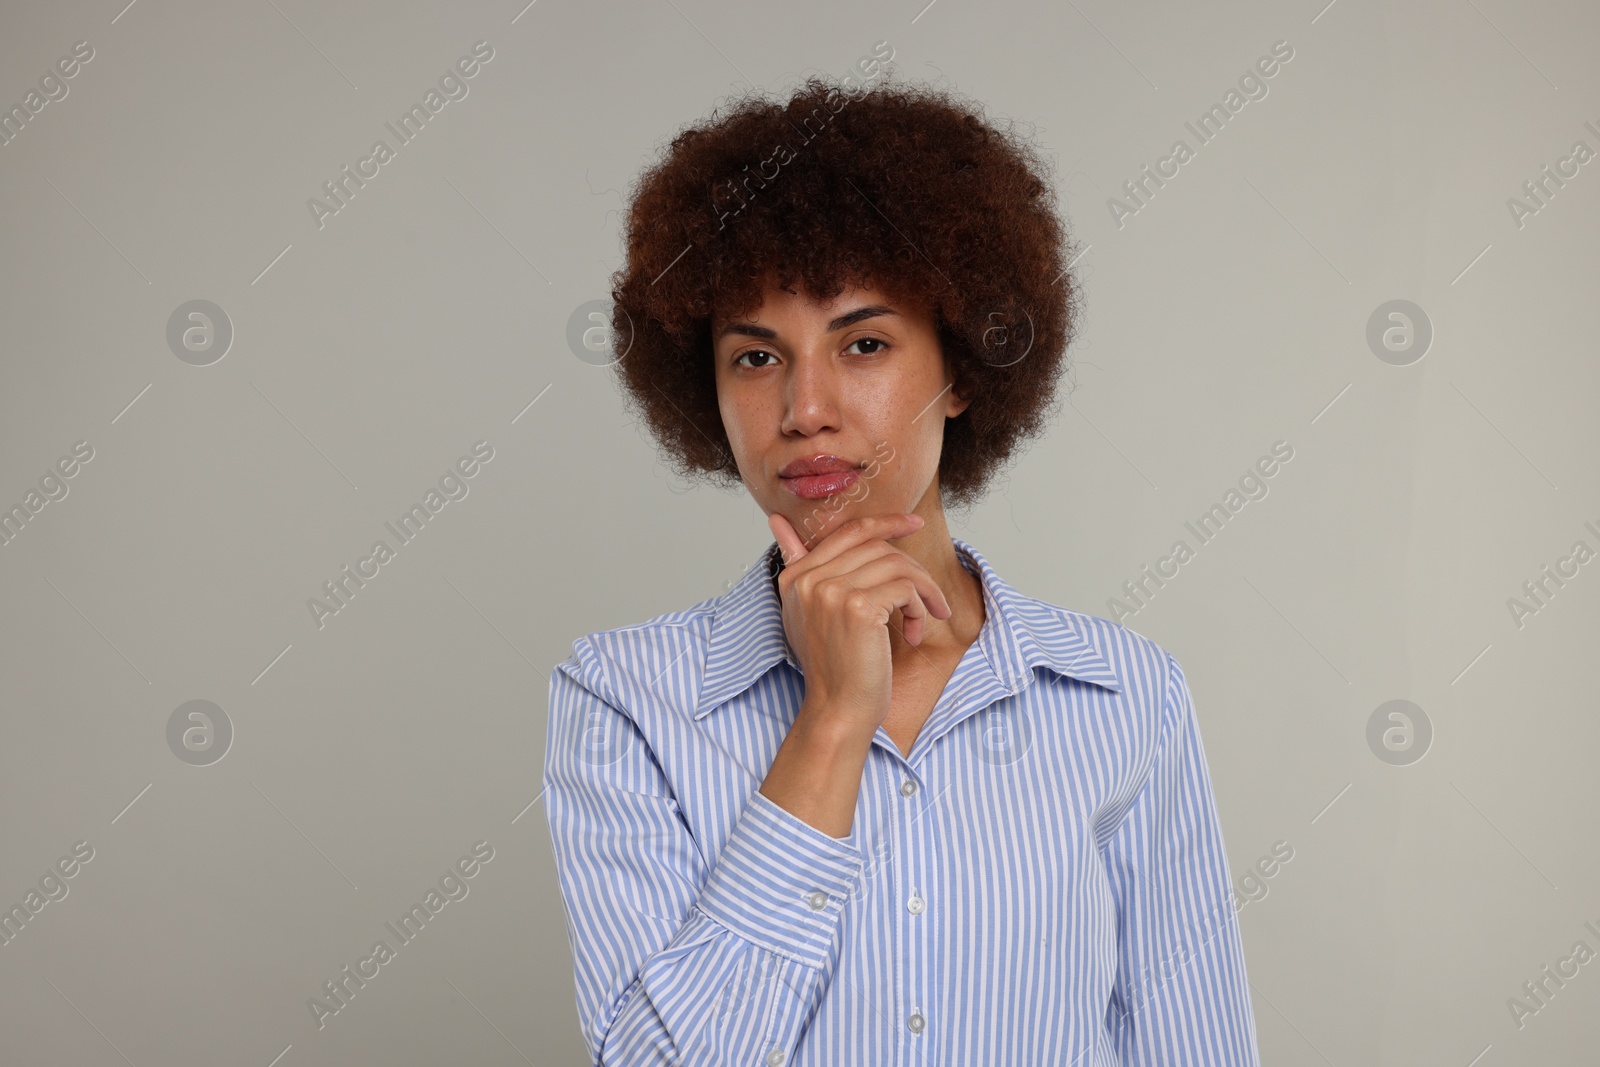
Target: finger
column 912, row 620
column 898, row 593
column 789, row 542
column 850, row 534
column 893, row 566
column 876, row 563
column 929, row 592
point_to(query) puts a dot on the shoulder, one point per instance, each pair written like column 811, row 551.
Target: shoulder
column 1147, row 672
column 610, row 662
column 1151, row 710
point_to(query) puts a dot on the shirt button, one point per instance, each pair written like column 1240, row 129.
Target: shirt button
column 916, row 1022
column 817, row 900
column 908, row 788
column 775, row 1057
column 915, row 904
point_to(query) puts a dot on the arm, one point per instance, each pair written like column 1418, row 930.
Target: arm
column 678, row 962
column 1181, row 996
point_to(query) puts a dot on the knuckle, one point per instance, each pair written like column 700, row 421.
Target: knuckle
column 859, row 605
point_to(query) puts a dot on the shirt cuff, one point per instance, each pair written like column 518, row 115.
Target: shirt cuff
column 781, row 882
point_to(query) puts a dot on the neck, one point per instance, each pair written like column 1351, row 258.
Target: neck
column 932, row 547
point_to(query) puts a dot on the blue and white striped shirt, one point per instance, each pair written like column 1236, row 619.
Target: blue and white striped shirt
column 1040, row 880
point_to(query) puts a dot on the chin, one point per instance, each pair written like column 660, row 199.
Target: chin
column 815, row 523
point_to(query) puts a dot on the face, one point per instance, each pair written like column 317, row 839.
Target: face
column 858, row 387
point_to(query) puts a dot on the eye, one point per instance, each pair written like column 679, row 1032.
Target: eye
column 869, row 341
column 753, row 352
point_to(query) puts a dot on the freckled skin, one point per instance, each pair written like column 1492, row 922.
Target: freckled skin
column 858, row 393
column 877, row 389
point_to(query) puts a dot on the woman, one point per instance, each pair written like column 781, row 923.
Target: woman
column 873, row 805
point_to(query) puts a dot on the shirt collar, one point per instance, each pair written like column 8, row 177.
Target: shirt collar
column 1019, row 633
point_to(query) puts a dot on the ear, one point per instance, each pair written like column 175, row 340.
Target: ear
column 957, row 404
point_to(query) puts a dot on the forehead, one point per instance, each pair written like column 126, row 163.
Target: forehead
column 779, row 301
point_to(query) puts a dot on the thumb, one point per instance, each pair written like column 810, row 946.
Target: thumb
column 789, row 542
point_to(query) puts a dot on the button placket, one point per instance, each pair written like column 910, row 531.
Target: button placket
column 916, row 823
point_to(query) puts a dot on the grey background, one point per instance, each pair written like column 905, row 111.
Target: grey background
column 369, row 354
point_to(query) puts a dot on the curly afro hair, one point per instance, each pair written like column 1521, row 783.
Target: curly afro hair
column 905, row 188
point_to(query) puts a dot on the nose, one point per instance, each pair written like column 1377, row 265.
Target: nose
column 811, row 396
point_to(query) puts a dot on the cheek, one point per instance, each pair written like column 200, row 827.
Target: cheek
column 734, row 418
column 928, row 443
column 742, row 423
column 907, row 453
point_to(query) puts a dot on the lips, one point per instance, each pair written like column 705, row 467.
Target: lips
column 818, row 464
column 814, row 477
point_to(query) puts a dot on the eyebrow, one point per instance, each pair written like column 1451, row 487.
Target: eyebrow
column 849, row 318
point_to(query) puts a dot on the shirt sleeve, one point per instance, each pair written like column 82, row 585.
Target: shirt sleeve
column 681, row 960
column 1180, row 998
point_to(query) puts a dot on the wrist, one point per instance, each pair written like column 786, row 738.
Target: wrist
column 822, row 724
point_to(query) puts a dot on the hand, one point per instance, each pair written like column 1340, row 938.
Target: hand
column 838, row 599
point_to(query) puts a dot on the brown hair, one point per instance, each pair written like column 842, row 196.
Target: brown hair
column 907, row 188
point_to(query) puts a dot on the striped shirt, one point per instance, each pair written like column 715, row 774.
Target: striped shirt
column 1041, row 879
